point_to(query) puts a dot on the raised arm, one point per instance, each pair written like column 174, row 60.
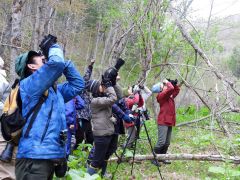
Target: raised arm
column 109, row 100
column 165, row 94
column 45, row 76
column 74, row 84
column 176, row 91
column 88, row 72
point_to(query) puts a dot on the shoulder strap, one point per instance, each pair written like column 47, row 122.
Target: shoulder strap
column 35, row 111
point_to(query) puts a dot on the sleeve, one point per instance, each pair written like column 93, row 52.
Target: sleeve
column 4, row 92
column 69, row 107
column 176, row 91
column 109, row 100
column 120, row 114
column 147, row 92
column 117, row 111
column 118, row 91
column 79, row 103
column 74, row 84
column 41, row 80
column 88, row 73
column 166, row 93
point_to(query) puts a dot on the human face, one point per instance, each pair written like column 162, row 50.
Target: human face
column 38, row 61
column 130, row 91
column 164, row 88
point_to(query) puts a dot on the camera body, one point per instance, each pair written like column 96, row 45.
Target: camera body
column 63, row 137
column 111, row 73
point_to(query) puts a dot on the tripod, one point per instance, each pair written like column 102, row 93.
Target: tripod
column 137, row 123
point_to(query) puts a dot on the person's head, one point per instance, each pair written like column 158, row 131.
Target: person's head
column 157, row 88
column 28, row 63
column 95, row 88
column 164, row 87
column 130, row 90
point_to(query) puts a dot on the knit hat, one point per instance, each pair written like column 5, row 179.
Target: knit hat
column 21, row 62
column 1, row 63
column 93, row 86
column 157, row 88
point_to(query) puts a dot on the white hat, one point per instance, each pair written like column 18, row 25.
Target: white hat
column 1, row 63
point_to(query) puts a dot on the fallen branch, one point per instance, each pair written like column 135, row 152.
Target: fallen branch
column 196, row 157
column 193, row 121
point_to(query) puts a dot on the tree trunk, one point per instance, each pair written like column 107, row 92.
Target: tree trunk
column 15, row 34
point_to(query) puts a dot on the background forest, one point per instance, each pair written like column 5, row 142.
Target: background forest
column 158, row 40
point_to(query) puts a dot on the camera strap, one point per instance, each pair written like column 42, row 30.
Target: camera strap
column 35, row 111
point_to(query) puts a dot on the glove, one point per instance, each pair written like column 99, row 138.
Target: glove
column 46, row 43
column 106, row 82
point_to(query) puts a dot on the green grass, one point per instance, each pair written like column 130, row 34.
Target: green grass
column 192, row 140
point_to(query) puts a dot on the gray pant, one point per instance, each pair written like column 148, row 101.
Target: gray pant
column 132, row 132
column 164, row 136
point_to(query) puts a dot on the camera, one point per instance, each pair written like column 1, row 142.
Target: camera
column 63, row 137
column 112, row 72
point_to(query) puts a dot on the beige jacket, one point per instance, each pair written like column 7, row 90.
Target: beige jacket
column 102, row 119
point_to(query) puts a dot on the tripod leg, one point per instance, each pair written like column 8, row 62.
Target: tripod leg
column 124, row 150
column 134, row 152
column 154, row 154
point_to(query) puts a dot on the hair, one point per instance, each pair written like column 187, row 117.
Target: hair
column 27, row 71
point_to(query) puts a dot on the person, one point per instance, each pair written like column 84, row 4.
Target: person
column 133, row 102
column 105, row 143
column 167, row 116
column 42, row 144
column 71, row 108
column 104, row 96
column 7, row 170
column 84, row 128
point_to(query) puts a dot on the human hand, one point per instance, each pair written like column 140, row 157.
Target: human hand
column 71, row 127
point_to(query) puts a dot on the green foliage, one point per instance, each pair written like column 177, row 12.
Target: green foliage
column 225, row 172
column 77, row 164
column 234, row 62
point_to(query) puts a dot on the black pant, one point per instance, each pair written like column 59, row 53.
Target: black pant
column 84, row 132
column 34, row 169
column 105, row 146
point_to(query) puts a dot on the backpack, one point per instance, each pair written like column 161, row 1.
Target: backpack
column 12, row 121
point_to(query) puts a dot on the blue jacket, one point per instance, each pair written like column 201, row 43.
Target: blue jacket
column 71, row 108
column 43, row 141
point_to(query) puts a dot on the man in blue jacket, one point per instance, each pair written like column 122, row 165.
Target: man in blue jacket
column 42, row 146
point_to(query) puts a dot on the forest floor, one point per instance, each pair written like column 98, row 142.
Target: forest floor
column 192, row 139
column 204, row 137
